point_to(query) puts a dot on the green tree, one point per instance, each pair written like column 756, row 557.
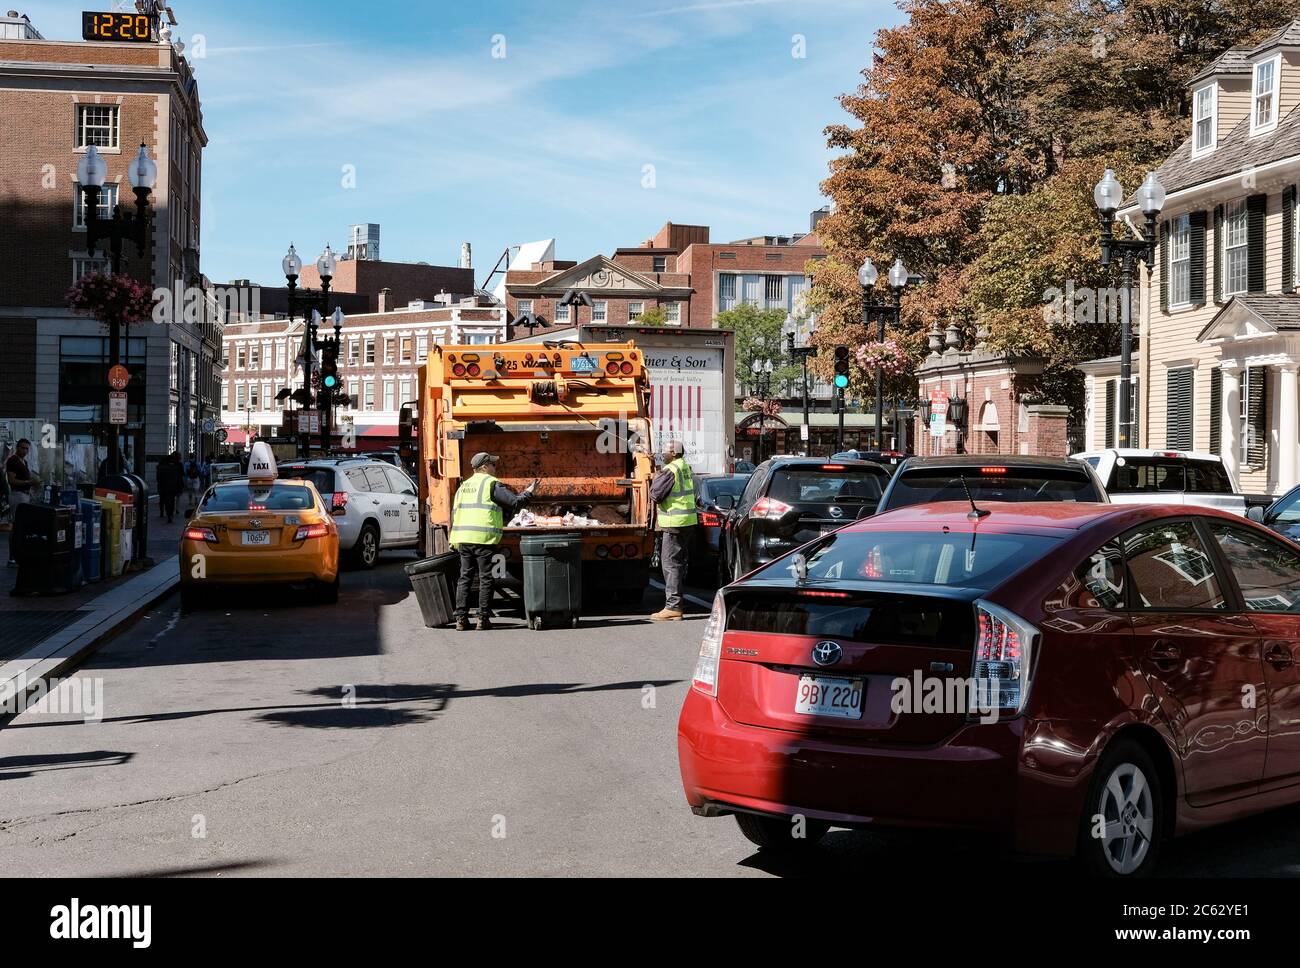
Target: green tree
column 758, row 340
column 652, row 317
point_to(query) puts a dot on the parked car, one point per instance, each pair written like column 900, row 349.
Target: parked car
column 375, row 505
column 1282, row 516
column 890, row 460
column 789, row 501
column 1135, row 476
column 708, row 489
column 1087, row 663
column 990, row 477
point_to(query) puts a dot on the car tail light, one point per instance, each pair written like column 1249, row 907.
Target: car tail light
column 705, row 679
column 611, row 369
column 993, row 470
column 339, row 502
column 769, row 507
column 1004, row 659
column 710, row 519
column 201, row 534
column 458, row 369
column 626, row 368
column 833, row 467
column 311, row 531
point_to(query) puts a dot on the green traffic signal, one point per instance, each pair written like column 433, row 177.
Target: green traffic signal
column 331, row 382
column 841, row 380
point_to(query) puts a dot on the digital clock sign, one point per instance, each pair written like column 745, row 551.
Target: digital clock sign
column 131, row 27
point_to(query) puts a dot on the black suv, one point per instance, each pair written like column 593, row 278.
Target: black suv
column 788, row 502
column 990, row 477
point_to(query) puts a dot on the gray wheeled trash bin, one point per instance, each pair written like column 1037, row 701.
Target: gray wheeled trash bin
column 434, row 581
column 552, row 579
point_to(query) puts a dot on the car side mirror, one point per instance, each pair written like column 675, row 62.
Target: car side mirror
column 1255, row 513
column 726, row 502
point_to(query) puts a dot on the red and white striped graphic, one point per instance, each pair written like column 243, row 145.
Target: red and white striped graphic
column 677, row 409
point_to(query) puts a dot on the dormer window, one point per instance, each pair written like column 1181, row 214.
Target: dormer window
column 1203, row 123
column 1264, row 115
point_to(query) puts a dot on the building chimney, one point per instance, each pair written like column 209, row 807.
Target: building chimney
column 385, row 297
column 817, row 216
column 465, row 262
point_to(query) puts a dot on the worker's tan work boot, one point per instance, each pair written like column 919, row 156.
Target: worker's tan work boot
column 666, row 615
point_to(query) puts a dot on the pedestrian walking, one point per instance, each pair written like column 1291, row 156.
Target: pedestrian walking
column 193, row 484
column 22, row 482
column 171, row 481
column 673, row 494
column 477, row 522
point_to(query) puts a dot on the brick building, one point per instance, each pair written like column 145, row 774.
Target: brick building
column 381, row 352
column 679, row 271
column 57, row 98
column 404, row 282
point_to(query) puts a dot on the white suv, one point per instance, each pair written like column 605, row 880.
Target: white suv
column 375, row 505
column 1135, row 476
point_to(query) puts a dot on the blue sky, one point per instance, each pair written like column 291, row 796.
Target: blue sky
column 452, row 144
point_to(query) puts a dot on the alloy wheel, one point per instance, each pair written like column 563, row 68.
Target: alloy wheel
column 1127, row 809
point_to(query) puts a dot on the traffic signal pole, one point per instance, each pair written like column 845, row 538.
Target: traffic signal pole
column 841, row 382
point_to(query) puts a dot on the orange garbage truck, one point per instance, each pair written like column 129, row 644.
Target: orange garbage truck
column 573, row 416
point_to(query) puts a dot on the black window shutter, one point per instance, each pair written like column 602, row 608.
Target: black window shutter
column 1218, row 253
column 1178, row 409
column 1196, row 269
column 1255, row 207
column 1256, row 417
column 1216, row 411
column 1110, row 414
column 1134, row 423
column 1288, row 238
column 1164, row 266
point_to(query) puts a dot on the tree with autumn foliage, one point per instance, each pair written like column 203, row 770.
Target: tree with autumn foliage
column 977, row 135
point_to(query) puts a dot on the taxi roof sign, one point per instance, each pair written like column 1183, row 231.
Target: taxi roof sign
column 261, row 462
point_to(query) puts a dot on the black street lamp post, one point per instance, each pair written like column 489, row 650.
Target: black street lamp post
column 802, row 353
column 762, row 386
column 314, row 306
column 1151, row 197
column 121, row 226
column 881, row 311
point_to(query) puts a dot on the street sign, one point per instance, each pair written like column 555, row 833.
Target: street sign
column 308, row 421
column 209, row 425
column 938, row 400
column 938, row 424
column 222, row 435
column 803, row 431
column 117, row 408
column 118, row 377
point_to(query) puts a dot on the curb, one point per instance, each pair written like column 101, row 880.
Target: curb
column 106, row 616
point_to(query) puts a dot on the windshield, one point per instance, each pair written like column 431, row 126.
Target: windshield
column 998, row 484
column 714, row 487
column 243, row 496
column 979, row 561
column 820, row 485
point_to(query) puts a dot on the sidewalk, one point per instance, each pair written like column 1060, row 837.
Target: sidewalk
column 42, row 635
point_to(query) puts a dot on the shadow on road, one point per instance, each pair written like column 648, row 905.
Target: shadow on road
column 199, row 870
column 19, row 767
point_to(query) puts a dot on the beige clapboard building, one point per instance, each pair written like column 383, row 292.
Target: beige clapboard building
column 1219, row 312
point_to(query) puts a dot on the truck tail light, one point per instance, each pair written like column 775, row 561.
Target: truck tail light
column 705, row 679
column 473, row 369
column 1003, row 663
column 458, row 369
column 616, row 551
column 611, row 368
column 339, row 502
column 626, row 368
column 201, row 534
column 311, row 531
column 769, row 507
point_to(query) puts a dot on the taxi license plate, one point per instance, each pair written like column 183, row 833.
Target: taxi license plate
column 824, row 696
column 257, row 537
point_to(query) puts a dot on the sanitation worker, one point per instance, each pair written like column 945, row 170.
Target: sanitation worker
column 673, row 494
column 478, row 516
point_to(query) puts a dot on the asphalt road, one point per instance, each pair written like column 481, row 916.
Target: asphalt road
column 260, row 738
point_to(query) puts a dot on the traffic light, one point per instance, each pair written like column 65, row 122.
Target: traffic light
column 329, row 371
column 841, row 368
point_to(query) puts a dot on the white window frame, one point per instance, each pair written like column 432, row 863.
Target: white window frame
column 109, row 193
column 241, row 356
column 113, row 129
column 523, row 306
column 1274, row 64
column 1180, row 261
column 82, row 267
column 599, row 310
column 1231, row 211
column 369, row 389
column 369, row 357
column 635, row 310
column 672, row 313
column 421, row 347
column 390, row 396
column 561, row 312
column 1210, row 119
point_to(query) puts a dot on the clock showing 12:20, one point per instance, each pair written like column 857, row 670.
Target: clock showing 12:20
column 134, row 27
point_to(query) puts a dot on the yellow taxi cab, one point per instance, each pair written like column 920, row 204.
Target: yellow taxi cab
column 260, row 530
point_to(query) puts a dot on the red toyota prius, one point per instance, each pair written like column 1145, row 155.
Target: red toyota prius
column 1075, row 679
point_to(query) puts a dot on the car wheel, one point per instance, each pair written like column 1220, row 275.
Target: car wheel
column 1123, row 819
column 779, row 834
column 366, row 552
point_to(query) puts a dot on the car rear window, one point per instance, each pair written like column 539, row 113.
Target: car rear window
column 1207, row 477
column 993, row 483
column 976, row 561
column 713, row 488
column 1155, row 475
column 243, row 496
column 857, row 617
column 825, row 485
column 321, row 477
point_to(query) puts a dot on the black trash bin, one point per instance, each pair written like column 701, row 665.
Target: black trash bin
column 434, row 581
column 44, row 545
column 552, row 579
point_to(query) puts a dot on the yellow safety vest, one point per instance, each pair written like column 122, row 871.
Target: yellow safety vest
column 677, row 510
column 475, row 517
